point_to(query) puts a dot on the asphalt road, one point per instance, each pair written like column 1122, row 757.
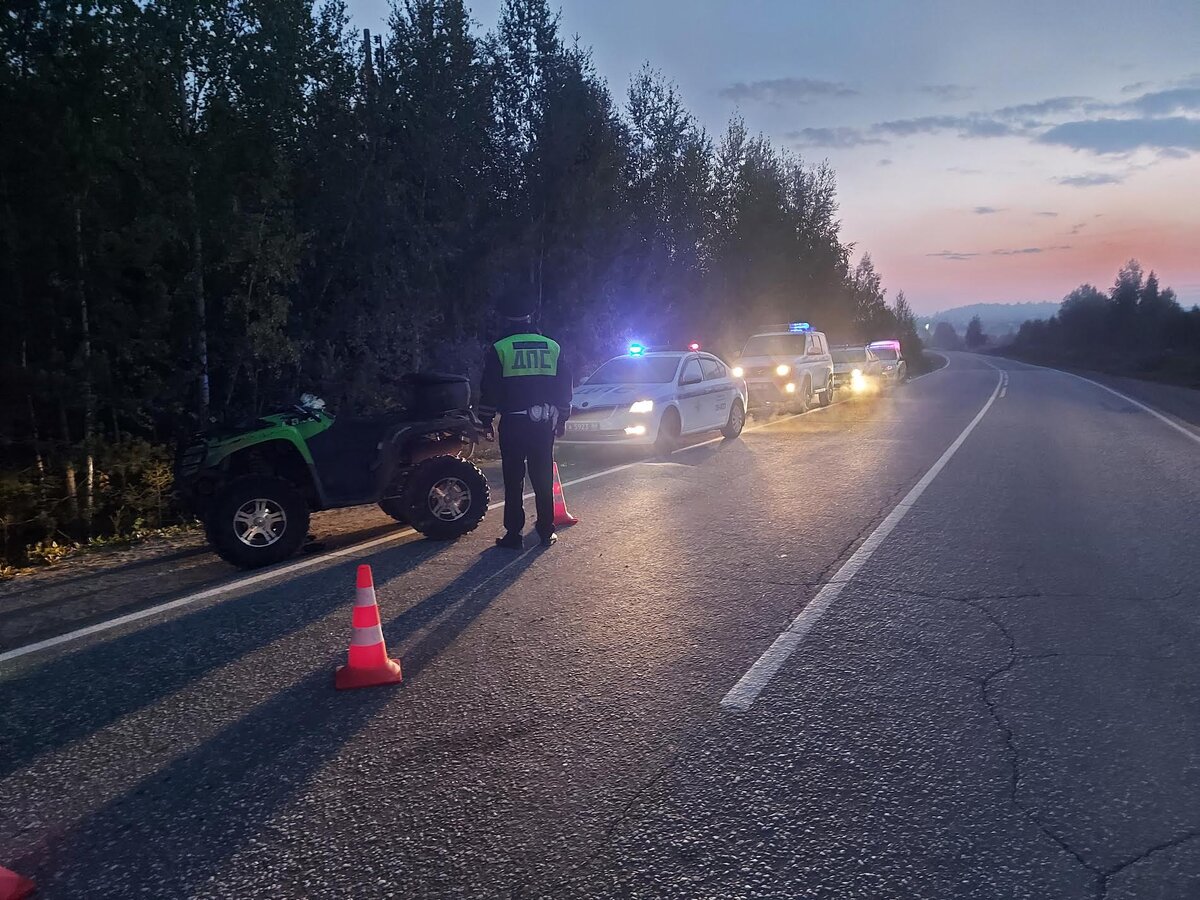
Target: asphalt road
column 982, row 598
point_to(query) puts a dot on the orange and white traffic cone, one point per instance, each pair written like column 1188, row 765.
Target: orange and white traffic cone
column 13, row 886
column 561, row 516
column 368, row 663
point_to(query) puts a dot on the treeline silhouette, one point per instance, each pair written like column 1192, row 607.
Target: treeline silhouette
column 209, row 207
column 1137, row 327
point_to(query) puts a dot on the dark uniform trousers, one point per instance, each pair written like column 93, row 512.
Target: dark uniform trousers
column 527, row 444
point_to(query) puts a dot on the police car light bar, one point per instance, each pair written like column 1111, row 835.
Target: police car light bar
column 799, row 327
column 694, row 346
column 636, row 349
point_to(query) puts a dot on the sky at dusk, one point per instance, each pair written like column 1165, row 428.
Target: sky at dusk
column 999, row 151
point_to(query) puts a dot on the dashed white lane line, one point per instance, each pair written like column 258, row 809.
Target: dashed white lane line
column 1003, row 381
column 743, row 694
column 300, row 565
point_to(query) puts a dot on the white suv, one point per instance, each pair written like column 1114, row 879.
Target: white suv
column 786, row 369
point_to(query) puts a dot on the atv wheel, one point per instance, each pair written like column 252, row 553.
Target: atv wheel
column 396, row 508
column 256, row 521
column 445, row 497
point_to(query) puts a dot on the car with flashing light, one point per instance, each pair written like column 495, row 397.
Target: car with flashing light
column 786, row 369
column 653, row 398
column 856, row 369
column 893, row 368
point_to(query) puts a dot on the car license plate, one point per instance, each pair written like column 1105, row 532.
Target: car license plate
column 583, row 426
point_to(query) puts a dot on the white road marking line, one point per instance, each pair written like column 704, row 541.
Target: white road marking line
column 1162, row 417
column 743, row 694
column 1004, row 384
column 299, row 565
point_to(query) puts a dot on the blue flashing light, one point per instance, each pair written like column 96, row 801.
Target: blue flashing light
column 636, row 349
column 799, row 327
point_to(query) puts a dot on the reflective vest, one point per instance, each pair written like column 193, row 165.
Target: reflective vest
column 527, row 354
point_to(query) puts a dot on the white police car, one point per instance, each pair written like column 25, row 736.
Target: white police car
column 653, row 397
column 787, row 368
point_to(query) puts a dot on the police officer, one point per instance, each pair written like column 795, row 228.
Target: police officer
column 526, row 380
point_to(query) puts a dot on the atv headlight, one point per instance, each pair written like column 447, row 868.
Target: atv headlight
column 642, row 406
column 738, row 371
column 782, row 370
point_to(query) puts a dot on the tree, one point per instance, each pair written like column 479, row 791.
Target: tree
column 975, row 337
column 945, row 337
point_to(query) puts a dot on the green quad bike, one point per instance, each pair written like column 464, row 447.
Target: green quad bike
column 254, row 486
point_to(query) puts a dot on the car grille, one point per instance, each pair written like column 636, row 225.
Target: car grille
column 591, row 414
column 760, row 371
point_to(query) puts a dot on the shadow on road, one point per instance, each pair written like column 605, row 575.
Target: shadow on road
column 178, row 826
column 78, row 693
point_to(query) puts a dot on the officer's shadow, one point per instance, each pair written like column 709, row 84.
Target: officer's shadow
column 457, row 605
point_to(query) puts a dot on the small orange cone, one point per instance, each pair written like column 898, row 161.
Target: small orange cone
column 368, row 662
column 561, row 516
column 13, row 886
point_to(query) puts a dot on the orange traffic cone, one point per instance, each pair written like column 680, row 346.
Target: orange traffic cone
column 561, row 516
column 368, row 663
column 13, row 886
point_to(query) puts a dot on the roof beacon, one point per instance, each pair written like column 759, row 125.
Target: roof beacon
column 636, row 349
column 694, row 346
column 799, row 327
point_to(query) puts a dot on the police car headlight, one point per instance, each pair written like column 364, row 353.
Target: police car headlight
column 642, row 406
column 782, row 370
column 636, row 430
column 738, row 371
column 856, row 373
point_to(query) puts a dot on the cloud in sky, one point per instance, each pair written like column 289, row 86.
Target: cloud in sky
column 1027, row 251
column 832, row 137
column 1163, row 103
column 884, row 162
column 966, row 126
column 1047, row 214
column 1090, row 179
column 947, row 92
column 1047, row 107
column 1150, row 120
column 1109, row 136
column 962, row 255
column 952, row 255
column 986, row 210
column 785, row 90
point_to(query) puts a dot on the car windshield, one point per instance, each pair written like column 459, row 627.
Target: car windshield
column 885, row 353
column 636, row 370
column 774, row 345
column 855, row 355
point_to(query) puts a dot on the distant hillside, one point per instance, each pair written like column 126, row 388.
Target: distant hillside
column 997, row 318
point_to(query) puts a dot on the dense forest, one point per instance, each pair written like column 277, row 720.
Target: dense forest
column 1136, row 328
column 209, row 206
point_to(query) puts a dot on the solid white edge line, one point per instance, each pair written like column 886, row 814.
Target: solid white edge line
column 743, row 694
column 250, row 581
column 1162, row 417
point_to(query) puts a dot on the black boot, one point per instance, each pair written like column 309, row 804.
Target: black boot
column 511, row 541
column 549, row 540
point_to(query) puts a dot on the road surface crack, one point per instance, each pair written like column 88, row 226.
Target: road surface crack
column 1014, row 753
column 605, row 838
column 1107, row 875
